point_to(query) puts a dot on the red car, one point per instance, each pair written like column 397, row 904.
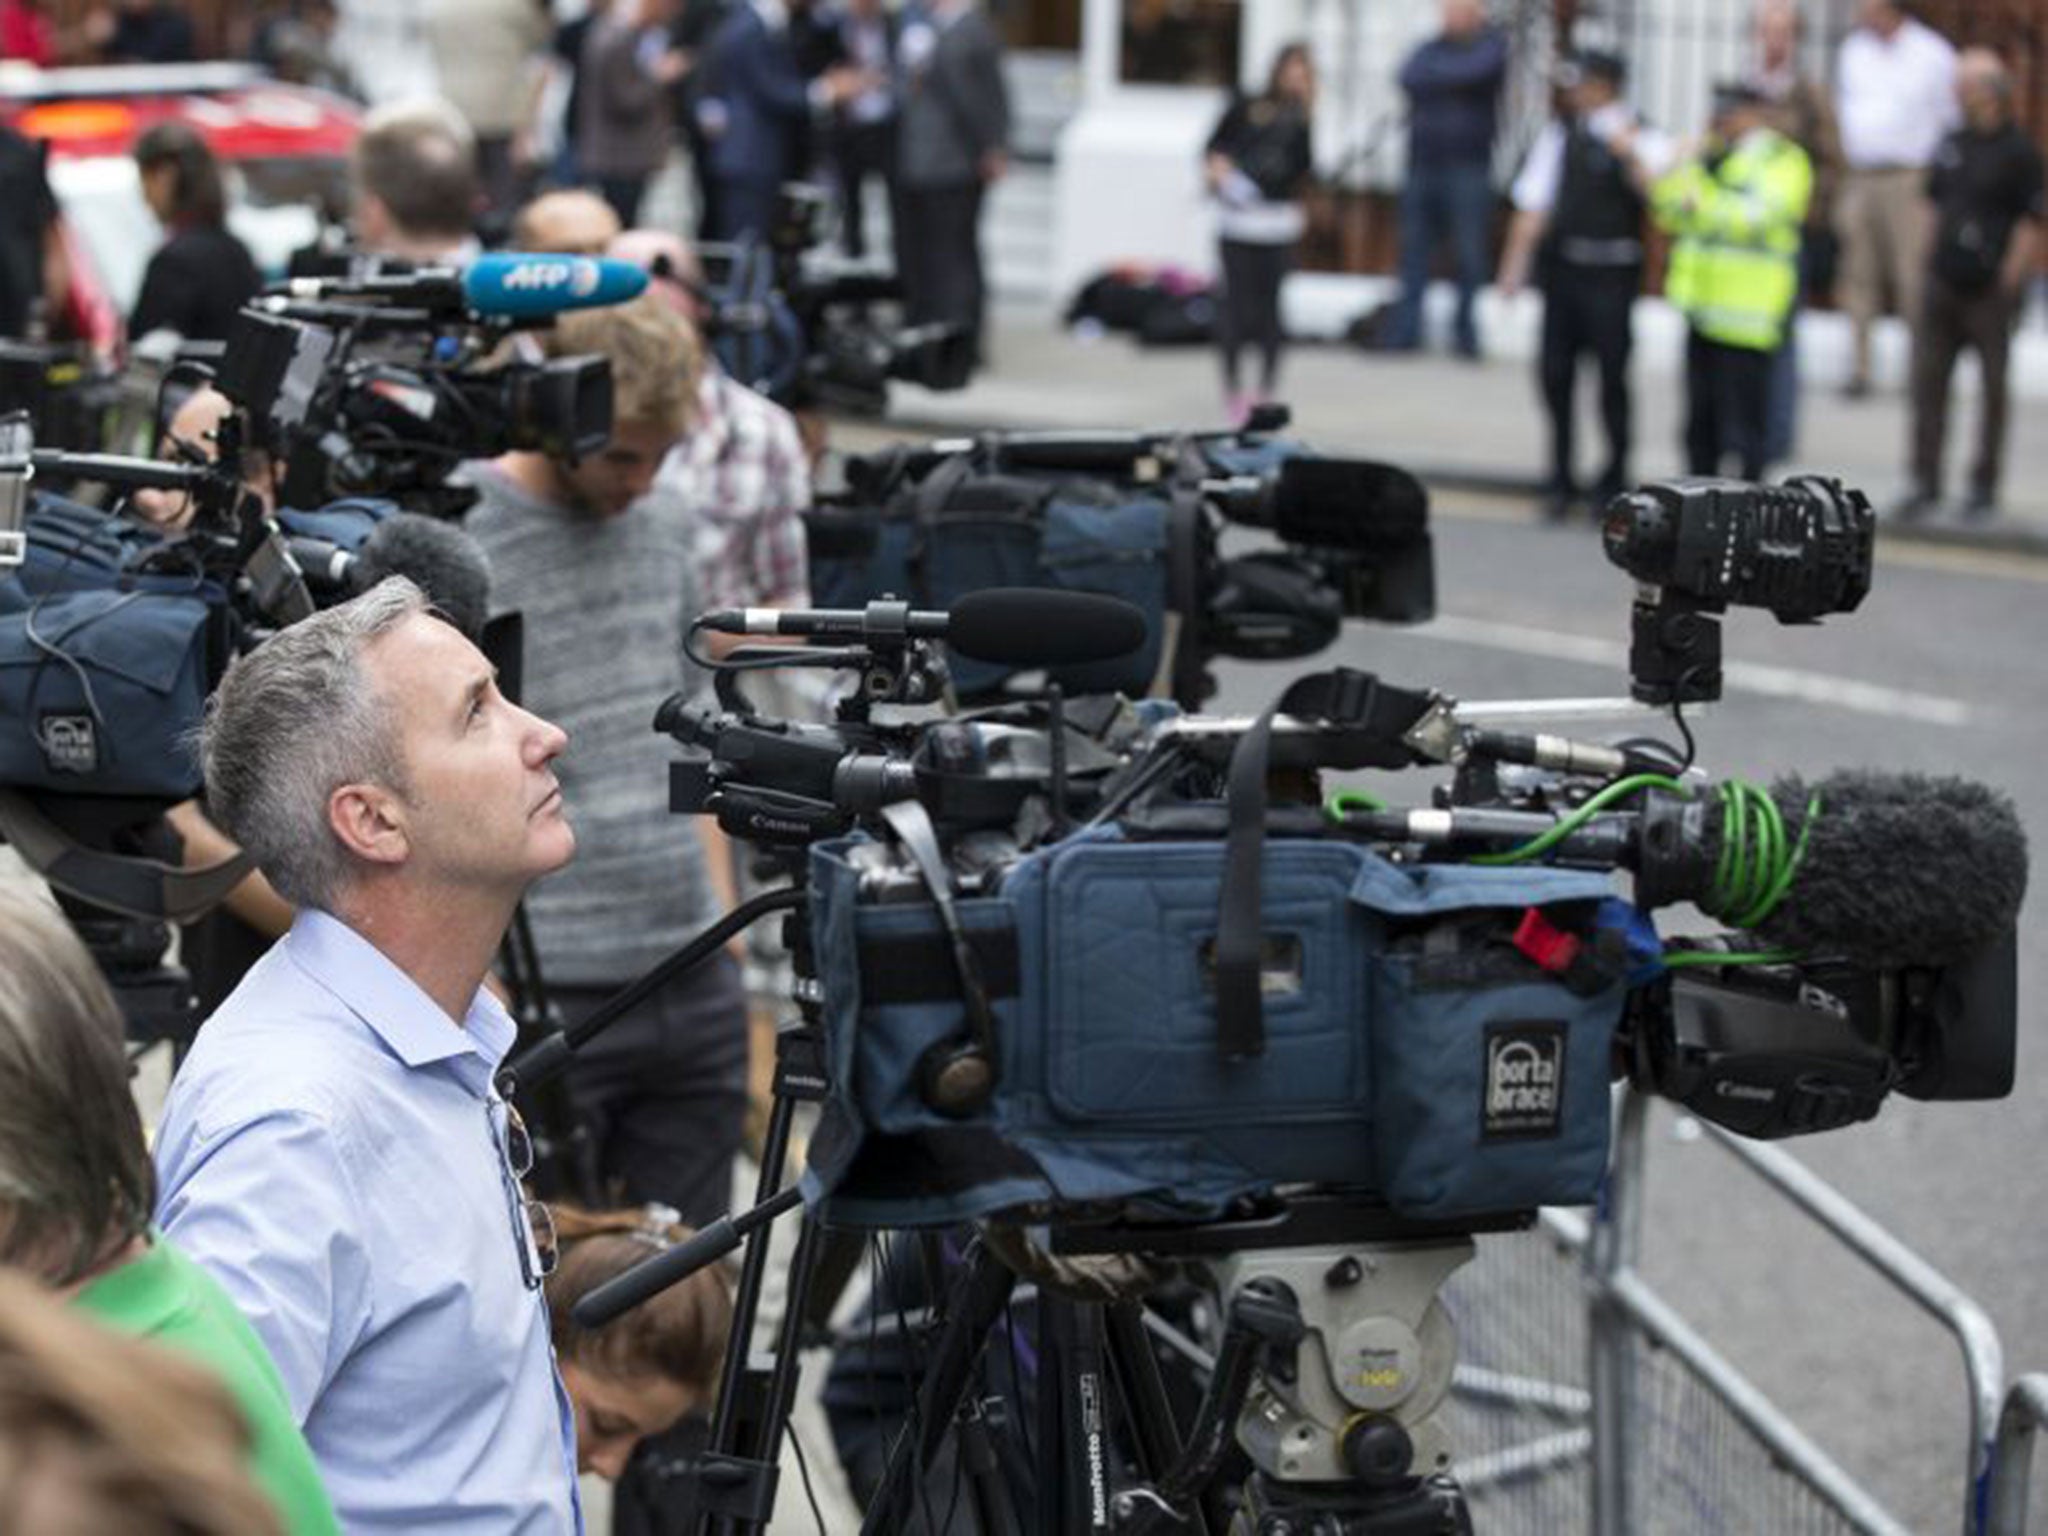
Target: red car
column 284, row 149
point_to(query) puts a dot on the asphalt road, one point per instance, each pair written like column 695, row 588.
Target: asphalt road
column 1940, row 671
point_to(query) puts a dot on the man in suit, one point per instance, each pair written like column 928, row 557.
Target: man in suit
column 953, row 129
column 756, row 110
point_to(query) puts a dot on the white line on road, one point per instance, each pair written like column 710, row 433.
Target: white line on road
column 1744, row 676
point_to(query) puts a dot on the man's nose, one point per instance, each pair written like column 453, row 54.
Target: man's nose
column 545, row 740
column 609, row 1461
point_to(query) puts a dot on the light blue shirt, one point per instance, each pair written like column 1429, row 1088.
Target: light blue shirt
column 330, row 1153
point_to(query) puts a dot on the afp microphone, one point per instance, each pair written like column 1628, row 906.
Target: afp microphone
column 496, row 287
column 1019, row 627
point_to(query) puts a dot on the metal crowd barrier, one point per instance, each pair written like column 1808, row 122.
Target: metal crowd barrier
column 2026, row 1412
column 1587, row 1404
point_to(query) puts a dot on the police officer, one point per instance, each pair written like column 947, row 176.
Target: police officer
column 1736, row 210
column 1579, row 222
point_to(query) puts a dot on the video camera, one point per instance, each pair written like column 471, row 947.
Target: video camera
column 1145, row 516
column 114, row 632
column 380, row 385
column 810, row 332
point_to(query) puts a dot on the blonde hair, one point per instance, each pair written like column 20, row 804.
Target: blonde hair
column 101, row 1432
column 656, row 361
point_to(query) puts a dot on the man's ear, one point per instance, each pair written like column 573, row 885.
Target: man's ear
column 370, row 821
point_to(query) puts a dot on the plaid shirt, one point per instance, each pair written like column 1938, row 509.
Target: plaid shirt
column 743, row 476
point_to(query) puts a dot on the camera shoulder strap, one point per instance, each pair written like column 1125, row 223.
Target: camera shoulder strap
column 1381, row 717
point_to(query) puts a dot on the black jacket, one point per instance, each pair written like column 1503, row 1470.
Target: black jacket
column 194, row 284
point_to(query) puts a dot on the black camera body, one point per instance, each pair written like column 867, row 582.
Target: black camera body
column 813, row 333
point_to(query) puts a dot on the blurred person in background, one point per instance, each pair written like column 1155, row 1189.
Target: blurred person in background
column 35, row 272
column 145, row 32
column 1256, row 166
column 201, row 275
column 415, row 191
column 1895, row 99
column 572, row 221
column 624, row 124
column 1735, row 210
column 864, row 124
column 952, row 145
column 1985, row 190
column 740, row 469
column 334, row 1151
column 1453, row 83
column 101, row 1433
column 77, row 1189
column 1578, row 230
column 1800, row 109
column 487, row 58
column 755, row 110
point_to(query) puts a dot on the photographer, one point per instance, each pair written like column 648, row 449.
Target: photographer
column 603, row 564
column 333, row 1150
column 741, row 468
column 76, row 1189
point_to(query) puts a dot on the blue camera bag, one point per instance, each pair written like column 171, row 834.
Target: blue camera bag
column 1410, row 1052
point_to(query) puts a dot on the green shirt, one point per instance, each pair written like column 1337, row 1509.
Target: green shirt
column 166, row 1297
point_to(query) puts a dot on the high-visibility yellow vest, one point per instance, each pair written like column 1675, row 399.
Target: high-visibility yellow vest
column 1734, row 269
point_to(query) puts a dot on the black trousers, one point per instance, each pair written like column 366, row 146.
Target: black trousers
column 1727, row 407
column 861, row 152
column 1252, row 274
column 664, row 1092
column 1588, row 310
column 664, row 1089
column 938, row 255
column 1951, row 321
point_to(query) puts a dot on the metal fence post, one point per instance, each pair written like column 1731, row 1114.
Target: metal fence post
column 2026, row 1410
column 1612, row 1255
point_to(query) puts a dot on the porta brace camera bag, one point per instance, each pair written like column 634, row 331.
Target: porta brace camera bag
column 104, row 671
column 1403, row 1046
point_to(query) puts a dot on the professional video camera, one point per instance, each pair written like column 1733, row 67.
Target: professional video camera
column 113, row 632
column 1145, row 516
column 1133, row 987
column 392, row 379
column 812, row 333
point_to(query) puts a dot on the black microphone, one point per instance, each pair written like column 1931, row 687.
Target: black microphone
column 1007, row 626
column 1898, row 869
column 439, row 558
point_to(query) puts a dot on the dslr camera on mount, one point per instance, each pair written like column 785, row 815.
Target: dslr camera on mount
column 813, row 333
column 1149, row 518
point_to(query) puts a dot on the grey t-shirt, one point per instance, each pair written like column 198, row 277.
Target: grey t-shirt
column 606, row 601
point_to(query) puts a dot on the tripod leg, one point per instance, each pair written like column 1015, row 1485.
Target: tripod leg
column 1073, row 1443
column 1146, row 1408
column 976, row 1302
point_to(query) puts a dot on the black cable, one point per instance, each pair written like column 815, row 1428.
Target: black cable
column 803, row 1471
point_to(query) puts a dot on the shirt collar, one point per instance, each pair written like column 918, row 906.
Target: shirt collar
column 392, row 1005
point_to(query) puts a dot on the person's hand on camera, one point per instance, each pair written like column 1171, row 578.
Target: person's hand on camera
column 995, row 165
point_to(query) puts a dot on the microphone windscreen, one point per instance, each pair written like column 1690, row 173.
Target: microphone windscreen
column 443, row 561
column 1900, row 868
column 528, row 286
column 1043, row 627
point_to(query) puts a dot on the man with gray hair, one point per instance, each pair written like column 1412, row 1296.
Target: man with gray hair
column 333, row 1150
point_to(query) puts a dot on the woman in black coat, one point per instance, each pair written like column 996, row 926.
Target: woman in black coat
column 201, row 275
column 1257, row 165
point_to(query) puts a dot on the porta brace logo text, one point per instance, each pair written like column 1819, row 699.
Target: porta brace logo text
column 1524, row 1080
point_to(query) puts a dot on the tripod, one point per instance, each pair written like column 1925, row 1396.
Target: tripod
column 1334, row 1359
